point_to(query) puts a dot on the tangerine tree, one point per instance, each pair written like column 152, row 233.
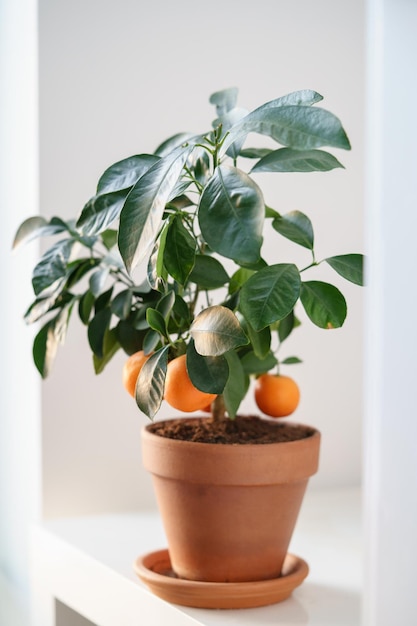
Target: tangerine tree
column 194, row 216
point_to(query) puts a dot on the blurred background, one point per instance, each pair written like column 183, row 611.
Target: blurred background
column 88, row 82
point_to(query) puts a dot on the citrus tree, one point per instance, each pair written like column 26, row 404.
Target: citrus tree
column 188, row 212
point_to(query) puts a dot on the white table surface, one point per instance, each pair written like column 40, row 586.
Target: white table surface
column 86, row 563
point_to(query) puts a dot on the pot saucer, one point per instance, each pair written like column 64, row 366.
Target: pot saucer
column 154, row 569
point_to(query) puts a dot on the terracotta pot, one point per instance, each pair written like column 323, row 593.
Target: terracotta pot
column 229, row 510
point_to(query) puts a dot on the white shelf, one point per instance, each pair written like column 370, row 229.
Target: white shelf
column 86, row 563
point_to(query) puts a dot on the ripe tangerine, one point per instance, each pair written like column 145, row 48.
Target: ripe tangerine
column 276, row 395
column 180, row 392
column 131, row 370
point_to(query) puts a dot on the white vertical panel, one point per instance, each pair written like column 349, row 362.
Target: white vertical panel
column 390, row 494
column 19, row 394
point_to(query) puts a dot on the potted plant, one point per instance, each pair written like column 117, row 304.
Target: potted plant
column 208, row 316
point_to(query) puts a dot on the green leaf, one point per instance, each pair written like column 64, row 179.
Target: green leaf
column 208, row 272
column 286, row 326
column 45, row 346
column 254, row 153
column 216, row 330
column 207, row 373
column 291, row 360
column 231, row 215
column 97, row 329
column 43, row 305
column 298, row 127
column 324, row 304
column 260, row 340
column 350, row 266
column 236, row 386
column 166, row 303
column 109, row 238
column 98, row 280
column 253, row 364
column 170, row 144
column 125, row 173
column 85, row 306
column 150, row 341
column 37, row 226
column 101, row 211
column 52, row 266
column 156, row 321
column 179, row 251
column 122, row 304
column 239, row 278
column 297, row 227
column 289, row 160
column 303, row 97
column 224, row 100
column 103, row 300
column 110, row 347
column 130, row 339
column 141, row 216
column 270, row 294
column 156, row 271
column 151, row 383
column 78, row 269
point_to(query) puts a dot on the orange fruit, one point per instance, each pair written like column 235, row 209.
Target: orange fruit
column 131, row 370
column 180, row 392
column 276, row 395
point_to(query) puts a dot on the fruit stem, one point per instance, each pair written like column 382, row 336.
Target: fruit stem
column 218, row 409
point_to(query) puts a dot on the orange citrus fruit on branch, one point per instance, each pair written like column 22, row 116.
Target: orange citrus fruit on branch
column 131, row 370
column 180, row 392
column 276, row 395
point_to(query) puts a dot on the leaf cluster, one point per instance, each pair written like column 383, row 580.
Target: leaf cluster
column 193, row 214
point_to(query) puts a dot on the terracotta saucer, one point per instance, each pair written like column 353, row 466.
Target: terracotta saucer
column 154, row 569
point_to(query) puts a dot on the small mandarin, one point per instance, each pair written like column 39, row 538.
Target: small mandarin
column 180, row 392
column 276, row 395
column 131, row 370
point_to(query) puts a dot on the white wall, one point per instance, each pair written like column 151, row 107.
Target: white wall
column 19, row 386
column 390, row 494
column 116, row 78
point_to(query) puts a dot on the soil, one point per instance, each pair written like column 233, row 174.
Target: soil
column 242, row 430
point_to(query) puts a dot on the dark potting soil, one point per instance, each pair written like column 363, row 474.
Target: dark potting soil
column 242, row 430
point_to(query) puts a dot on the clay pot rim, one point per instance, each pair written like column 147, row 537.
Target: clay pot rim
column 146, row 432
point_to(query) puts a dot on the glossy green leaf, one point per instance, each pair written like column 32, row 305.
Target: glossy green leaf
column 122, row 304
column 286, row 326
column 233, row 200
column 109, row 238
column 299, row 127
column 254, row 153
column 289, row 160
column 101, row 211
column 166, row 303
column 303, row 97
column 37, row 226
column 141, row 216
column 239, row 278
column 103, row 299
column 236, row 386
column 207, row 373
column 208, row 272
column 124, row 174
column 253, row 364
column 156, row 321
column 260, row 340
column 78, row 269
column 224, row 100
column 179, row 253
column 52, row 266
column 291, row 360
column 43, row 305
column 97, row 329
column 181, row 309
column 170, row 144
column 45, row 346
column 150, row 341
column 85, row 306
column 270, row 294
column 151, row 383
column 297, row 227
column 324, row 304
column 98, row 280
column 156, row 271
column 350, row 266
column 130, row 339
column 216, row 330
column 110, row 347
